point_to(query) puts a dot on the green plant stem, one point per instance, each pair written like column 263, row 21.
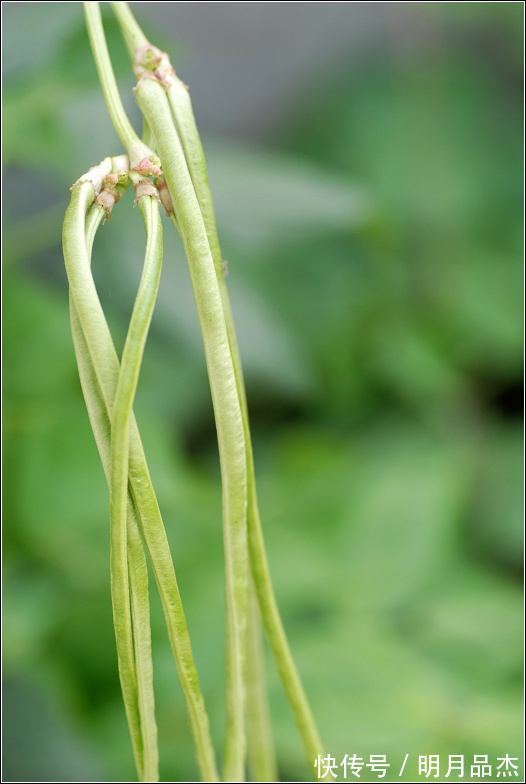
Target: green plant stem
column 104, row 368
column 122, row 408
column 134, row 36
column 181, row 106
column 136, row 149
column 229, row 423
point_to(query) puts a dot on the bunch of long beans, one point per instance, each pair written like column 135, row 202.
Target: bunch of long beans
column 171, row 154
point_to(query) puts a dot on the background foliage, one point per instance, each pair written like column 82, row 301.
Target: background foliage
column 365, row 160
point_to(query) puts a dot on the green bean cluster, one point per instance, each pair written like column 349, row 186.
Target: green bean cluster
column 171, row 153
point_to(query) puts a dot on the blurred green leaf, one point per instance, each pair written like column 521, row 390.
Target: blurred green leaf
column 497, row 521
column 58, row 750
column 265, row 198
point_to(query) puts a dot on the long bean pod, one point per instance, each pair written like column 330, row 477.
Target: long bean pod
column 229, row 422
column 120, row 420
column 85, row 301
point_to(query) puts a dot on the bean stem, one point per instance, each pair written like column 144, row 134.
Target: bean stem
column 136, row 149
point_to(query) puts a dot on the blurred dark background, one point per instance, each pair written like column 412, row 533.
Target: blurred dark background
column 366, row 166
